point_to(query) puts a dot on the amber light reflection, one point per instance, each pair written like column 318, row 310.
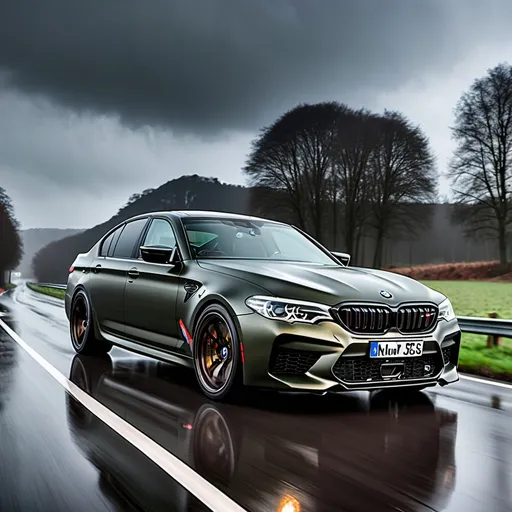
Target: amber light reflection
column 289, row 504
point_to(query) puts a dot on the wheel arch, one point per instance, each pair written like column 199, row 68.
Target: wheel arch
column 215, row 299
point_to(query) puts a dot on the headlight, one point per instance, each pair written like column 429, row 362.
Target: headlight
column 289, row 310
column 446, row 311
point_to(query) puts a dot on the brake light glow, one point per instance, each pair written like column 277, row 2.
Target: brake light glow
column 71, row 269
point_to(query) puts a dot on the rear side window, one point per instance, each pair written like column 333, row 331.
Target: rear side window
column 107, row 247
column 129, row 237
column 117, row 234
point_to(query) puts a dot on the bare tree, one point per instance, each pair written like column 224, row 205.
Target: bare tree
column 293, row 156
column 481, row 169
column 355, row 141
column 10, row 241
column 402, row 172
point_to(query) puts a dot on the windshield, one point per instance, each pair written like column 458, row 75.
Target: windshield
column 242, row 239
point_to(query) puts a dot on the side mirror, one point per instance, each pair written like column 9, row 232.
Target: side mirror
column 343, row 257
column 159, row 254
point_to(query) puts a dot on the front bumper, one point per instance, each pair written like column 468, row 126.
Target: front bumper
column 326, row 357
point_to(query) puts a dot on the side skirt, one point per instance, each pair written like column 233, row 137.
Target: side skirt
column 144, row 350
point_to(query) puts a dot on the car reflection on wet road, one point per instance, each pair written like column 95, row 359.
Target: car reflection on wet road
column 402, row 449
column 438, row 450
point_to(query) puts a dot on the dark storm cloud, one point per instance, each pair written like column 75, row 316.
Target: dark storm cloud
column 207, row 65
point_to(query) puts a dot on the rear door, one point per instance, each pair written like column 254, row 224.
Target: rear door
column 151, row 292
column 109, row 275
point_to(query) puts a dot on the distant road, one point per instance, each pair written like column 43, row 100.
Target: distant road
column 447, row 449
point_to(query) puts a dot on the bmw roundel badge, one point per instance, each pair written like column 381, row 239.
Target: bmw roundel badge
column 386, row 294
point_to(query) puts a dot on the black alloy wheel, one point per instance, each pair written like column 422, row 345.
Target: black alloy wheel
column 217, row 358
column 81, row 325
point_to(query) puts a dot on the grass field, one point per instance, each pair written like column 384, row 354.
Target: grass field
column 59, row 294
column 470, row 298
column 476, row 298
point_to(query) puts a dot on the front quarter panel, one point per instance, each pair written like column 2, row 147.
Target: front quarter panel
column 212, row 287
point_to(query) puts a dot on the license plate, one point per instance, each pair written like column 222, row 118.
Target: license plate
column 387, row 349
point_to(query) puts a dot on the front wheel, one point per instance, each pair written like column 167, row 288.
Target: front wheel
column 217, row 359
column 81, row 325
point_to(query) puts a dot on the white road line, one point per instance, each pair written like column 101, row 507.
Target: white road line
column 174, row 467
column 485, row 381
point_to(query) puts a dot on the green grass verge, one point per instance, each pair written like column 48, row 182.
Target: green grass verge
column 9, row 286
column 470, row 298
column 52, row 292
column 476, row 358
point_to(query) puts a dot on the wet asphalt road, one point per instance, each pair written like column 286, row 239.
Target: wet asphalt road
column 446, row 449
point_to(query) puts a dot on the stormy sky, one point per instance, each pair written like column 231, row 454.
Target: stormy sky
column 100, row 99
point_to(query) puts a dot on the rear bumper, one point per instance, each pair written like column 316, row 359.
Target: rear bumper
column 325, row 357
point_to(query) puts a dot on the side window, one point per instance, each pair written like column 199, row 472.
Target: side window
column 160, row 233
column 117, row 234
column 128, row 239
column 105, row 246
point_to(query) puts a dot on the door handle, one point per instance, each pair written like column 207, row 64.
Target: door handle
column 133, row 272
column 96, row 269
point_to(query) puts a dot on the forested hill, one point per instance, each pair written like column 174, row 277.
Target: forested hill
column 188, row 192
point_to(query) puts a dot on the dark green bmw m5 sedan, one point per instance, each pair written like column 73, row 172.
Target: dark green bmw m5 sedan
column 249, row 301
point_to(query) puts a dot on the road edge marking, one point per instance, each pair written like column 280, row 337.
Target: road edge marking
column 199, row 487
column 465, row 376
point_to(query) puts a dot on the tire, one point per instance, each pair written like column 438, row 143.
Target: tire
column 216, row 445
column 230, row 384
column 81, row 327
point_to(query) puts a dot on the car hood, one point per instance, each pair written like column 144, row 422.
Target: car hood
column 328, row 285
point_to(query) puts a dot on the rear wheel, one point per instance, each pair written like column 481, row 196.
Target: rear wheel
column 217, row 359
column 81, row 324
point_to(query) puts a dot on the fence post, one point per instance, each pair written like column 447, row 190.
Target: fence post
column 493, row 341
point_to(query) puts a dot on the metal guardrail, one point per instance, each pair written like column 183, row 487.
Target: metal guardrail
column 51, row 285
column 468, row 324
column 488, row 326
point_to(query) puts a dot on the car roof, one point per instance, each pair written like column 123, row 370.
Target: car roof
column 210, row 215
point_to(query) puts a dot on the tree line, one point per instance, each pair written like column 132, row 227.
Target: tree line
column 336, row 166
column 342, row 168
column 10, row 242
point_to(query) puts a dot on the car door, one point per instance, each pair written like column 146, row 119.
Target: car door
column 151, row 292
column 109, row 273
